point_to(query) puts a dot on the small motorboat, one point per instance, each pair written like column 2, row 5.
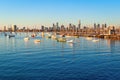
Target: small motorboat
column 11, row 35
column 67, row 36
column 33, row 35
column 76, row 36
column 48, row 36
column 95, row 40
column 37, row 40
column 54, row 37
column 89, row 38
column 26, row 38
column 61, row 39
column 70, row 41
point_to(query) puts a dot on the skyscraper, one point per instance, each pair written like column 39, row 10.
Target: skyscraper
column 105, row 25
column 4, row 28
column 42, row 28
column 98, row 26
column 57, row 25
column 79, row 24
column 14, row 28
column 70, row 26
column 54, row 27
column 95, row 25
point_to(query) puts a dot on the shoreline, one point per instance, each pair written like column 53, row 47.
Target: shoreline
column 101, row 36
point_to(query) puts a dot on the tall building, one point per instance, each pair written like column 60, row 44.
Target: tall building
column 95, row 26
column 70, row 26
column 74, row 27
column 57, row 25
column 24, row 28
column 98, row 26
column 42, row 28
column 4, row 28
column 79, row 24
column 14, row 28
column 111, row 30
column 62, row 27
column 54, row 27
column 105, row 25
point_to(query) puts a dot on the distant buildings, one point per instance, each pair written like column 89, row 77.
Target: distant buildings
column 4, row 28
column 14, row 28
column 111, row 30
column 79, row 24
column 42, row 28
column 96, row 29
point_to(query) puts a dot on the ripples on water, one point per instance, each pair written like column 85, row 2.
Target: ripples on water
column 51, row 60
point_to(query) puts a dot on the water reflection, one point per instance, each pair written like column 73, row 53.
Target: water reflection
column 59, row 60
column 71, row 45
column 111, row 44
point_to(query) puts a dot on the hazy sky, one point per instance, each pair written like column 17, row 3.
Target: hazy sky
column 47, row 12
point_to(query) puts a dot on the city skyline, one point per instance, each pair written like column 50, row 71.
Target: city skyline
column 46, row 12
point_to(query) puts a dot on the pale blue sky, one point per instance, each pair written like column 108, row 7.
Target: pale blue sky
column 46, row 12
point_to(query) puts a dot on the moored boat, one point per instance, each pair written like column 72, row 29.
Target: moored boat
column 61, row 39
column 95, row 40
column 37, row 40
column 53, row 37
column 89, row 38
column 70, row 41
column 11, row 35
column 26, row 38
column 33, row 35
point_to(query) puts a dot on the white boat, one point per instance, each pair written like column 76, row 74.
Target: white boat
column 11, row 35
column 70, row 41
column 95, row 40
column 26, row 38
column 53, row 37
column 48, row 36
column 88, row 38
column 34, row 35
column 68, row 36
column 37, row 40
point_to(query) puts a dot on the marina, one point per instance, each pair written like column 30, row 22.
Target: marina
column 60, row 40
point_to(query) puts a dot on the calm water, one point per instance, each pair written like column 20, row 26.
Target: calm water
column 51, row 60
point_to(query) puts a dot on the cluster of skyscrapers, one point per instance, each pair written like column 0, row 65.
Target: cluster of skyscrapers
column 96, row 29
column 13, row 28
column 56, row 27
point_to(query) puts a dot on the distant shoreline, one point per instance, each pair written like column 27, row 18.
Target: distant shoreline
column 78, row 34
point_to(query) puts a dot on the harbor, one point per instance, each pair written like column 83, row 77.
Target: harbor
column 53, row 60
column 59, row 40
column 102, row 31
